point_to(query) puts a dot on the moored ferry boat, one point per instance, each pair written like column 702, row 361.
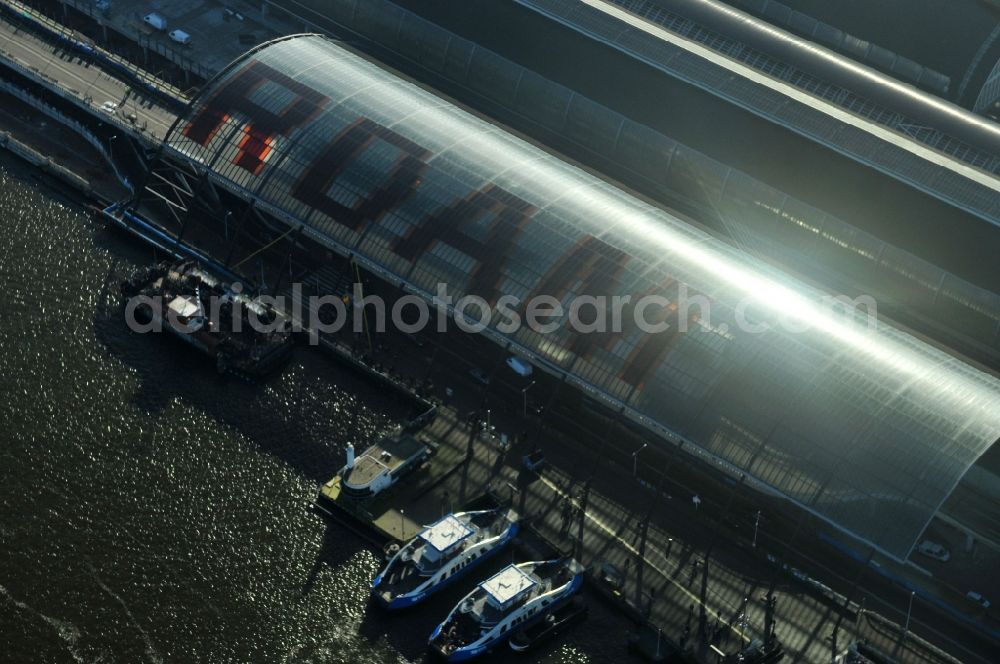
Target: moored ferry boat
column 442, row 553
column 513, row 598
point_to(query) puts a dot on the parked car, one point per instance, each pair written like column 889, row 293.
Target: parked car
column 934, row 550
column 180, row 37
column 155, row 21
column 480, row 376
column 109, row 107
column 978, row 599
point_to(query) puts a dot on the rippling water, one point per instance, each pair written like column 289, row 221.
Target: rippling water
column 151, row 510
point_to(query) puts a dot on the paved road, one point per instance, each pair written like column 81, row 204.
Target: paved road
column 81, row 79
column 215, row 34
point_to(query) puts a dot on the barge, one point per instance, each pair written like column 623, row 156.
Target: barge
column 244, row 336
column 377, row 468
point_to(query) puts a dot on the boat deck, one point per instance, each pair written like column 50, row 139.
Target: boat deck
column 390, row 454
column 401, row 512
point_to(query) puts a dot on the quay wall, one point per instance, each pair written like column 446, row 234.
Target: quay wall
column 35, row 158
column 77, row 127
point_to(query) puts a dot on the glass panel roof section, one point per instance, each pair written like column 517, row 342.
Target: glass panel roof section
column 863, row 425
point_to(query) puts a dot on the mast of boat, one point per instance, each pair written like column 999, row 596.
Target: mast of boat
column 201, row 305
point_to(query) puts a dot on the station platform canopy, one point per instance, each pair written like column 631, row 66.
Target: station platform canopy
column 861, row 424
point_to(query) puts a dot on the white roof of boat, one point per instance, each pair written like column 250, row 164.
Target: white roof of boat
column 507, row 584
column 446, row 533
column 185, row 305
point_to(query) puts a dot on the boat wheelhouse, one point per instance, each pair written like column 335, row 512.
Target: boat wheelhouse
column 381, row 465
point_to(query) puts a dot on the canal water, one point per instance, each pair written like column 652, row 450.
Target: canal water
column 153, row 511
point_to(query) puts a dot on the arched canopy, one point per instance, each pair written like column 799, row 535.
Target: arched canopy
column 870, row 429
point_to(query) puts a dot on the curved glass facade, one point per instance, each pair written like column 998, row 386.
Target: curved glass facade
column 868, row 428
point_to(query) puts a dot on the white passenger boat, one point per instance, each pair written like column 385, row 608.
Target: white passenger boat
column 513, row 598
column 442, row 553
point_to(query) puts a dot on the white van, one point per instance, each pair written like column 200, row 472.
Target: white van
column 155, row 21
column 180, row 37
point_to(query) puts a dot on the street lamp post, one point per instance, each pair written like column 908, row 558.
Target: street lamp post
column 909, row 610
column 635, row 460
column 755, row 524
column 513, row 490
column 743, row 619
column 524, row 397
column 402, row 525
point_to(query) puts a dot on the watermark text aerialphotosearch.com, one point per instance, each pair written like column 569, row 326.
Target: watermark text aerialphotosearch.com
column 544, row 314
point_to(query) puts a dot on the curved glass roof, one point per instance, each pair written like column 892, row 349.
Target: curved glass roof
column 870, row 429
